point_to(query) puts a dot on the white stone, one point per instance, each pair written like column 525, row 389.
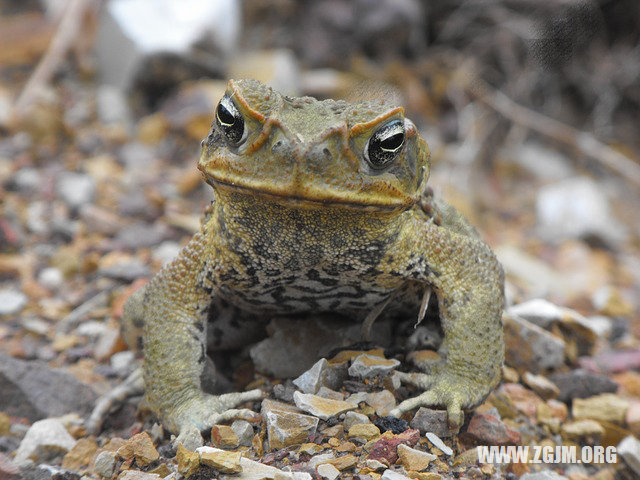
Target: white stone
column 576, row 208
column 629, row 448
column 537, row 311
column 50, row 278
column 76, row 189
column 11, row 301
column 439, row 444
column 391, row 475
column 328, row 471
column 91, row 328
column 45, row 438
column 542, row 162
column 123, row 362
column 166, row 251
column 538, row 278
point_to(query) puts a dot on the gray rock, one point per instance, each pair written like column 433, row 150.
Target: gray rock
column 582, row 384
column 34, row 390
column 285, row 424
column 105, row 464
column 284, row 391
column 45, row 440
column 353, row 418
column 311, row 380
column 365, row 366
column 294, row 346
column 530, row 347
column 142, row 235
column 629, row 449
column 75, row 189
column 244, row 432
column 576, row 208
column 28, row 180
column 11, row 301
column 126, row 270
column 429, row 420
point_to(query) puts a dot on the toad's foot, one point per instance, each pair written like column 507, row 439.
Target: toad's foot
column 201, row 413
column 450, row 391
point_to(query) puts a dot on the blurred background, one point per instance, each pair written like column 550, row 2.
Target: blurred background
column 531, row 110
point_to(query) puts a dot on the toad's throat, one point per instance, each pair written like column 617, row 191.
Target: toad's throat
column 313, row 198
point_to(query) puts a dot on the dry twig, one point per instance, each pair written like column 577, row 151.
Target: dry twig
column 582, row 141
column 67, row 32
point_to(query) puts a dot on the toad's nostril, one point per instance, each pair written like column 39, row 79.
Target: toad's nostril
column 276, row 146
column 326, row 152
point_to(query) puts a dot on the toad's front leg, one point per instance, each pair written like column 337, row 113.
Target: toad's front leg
column 174, row 307
column 468, row 281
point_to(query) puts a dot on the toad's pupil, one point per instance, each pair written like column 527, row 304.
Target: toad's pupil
column 225, row 116
column 230, row 122
column 393, row 142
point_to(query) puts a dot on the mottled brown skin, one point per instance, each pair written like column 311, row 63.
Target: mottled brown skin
column 303, row 222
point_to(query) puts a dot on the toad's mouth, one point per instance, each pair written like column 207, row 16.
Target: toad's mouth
column 307, row 197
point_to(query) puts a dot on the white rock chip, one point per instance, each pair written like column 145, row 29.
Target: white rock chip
column 11, row 301
column 576, row 208
column 44, row 440
column 391, row 475
column 76, row 189
column 439, row 444
column 328, row 471
column 537, row 311
column 629, row 448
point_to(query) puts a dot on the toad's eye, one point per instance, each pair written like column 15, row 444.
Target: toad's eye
column 385, row 144
column 230, row 121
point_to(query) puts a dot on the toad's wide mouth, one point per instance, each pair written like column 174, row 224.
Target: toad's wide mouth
column 314, row 198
